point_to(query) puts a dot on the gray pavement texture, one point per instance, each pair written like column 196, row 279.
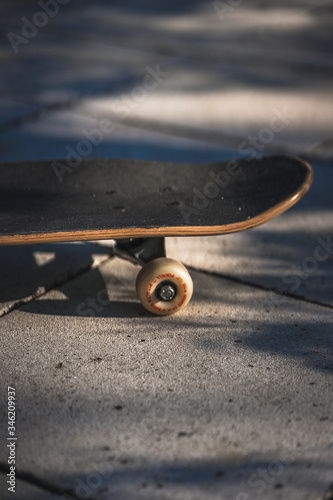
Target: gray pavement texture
column 232, row 398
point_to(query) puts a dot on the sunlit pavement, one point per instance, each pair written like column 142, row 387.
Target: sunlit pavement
column 232, row 398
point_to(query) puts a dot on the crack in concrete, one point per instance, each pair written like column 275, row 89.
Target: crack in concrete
column 44, row 290
column 29, row 478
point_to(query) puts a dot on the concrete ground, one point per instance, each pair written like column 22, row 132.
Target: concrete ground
column 232, row 398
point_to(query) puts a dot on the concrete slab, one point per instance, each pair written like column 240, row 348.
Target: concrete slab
column 251, row 78
column 224, row 399
column 231, row 75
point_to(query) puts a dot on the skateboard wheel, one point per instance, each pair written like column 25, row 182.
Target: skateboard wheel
column 164, row 286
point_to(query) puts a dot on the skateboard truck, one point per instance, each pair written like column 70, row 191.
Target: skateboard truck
column 140, row 250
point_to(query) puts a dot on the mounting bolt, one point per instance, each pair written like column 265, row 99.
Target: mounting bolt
column 166, row 291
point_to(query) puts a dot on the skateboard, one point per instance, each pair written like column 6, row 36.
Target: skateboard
column 138, row 203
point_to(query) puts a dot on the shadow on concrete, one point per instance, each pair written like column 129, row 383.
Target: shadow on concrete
column 243, row 478
column 29, row 270
column 264, row 49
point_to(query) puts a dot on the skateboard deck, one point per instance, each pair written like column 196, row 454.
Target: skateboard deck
column 50, row 201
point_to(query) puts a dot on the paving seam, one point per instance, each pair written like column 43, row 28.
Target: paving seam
column 67, row 105
column 261, row 287
column 212, row 137
column 42, row 484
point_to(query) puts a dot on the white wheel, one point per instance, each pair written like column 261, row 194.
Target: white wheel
column 164, row 286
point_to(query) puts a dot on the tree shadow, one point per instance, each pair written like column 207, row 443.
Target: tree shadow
column 30, row 270
column 156, row 31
